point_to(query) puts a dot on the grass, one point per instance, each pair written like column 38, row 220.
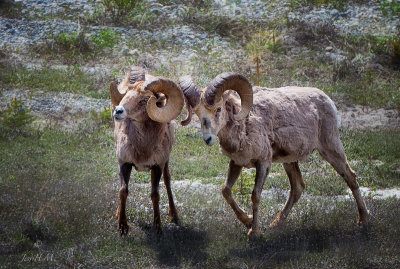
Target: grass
column 338, row 4
column 59, row 190
column 59, row 193
column 347, row 82
column 72, row 80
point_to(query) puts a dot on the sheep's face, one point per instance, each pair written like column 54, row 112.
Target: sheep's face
column 212, row 120
column 133, row 106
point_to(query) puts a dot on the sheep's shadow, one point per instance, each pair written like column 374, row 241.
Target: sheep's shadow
column 177, row 243
column 291, row 245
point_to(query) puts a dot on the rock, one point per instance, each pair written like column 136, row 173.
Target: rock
column 334, row 13
column 134, row 52
column 156, row 11
column 329, row 48
column 125, row 52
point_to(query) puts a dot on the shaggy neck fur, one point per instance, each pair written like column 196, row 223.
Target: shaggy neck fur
column 142, row 140
column 233, row 135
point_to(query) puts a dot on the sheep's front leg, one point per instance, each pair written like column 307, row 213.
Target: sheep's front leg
column 172, row 212
column 155, row 197
column 124, row 175
column 262, row 170
column 233, row 174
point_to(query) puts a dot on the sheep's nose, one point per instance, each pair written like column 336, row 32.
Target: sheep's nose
column 208, row 140
column 119, row 110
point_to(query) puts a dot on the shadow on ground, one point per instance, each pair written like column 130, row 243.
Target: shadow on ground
column 286, row 245
column 177, row 244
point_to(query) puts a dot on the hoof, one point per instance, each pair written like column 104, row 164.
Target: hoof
column 175, row 220
column 123, row 229
column 173, row 216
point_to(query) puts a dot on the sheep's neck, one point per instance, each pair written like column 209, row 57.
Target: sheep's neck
column 143, row 137
column 232, row 136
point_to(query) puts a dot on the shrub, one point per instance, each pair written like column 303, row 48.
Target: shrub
column 121, row 8
column 244, row 188
column 15, row 117
column 261, row 42
column 390, row 7
column 338, row 4
column 75, row 43
column 103, row 117
column 104, row 39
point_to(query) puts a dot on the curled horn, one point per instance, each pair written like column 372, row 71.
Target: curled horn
column 136, row 74
column 174, row 97
column 192, row 96
column 230, row 81
column 115, row 94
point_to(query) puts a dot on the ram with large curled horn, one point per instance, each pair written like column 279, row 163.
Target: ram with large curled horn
column 143, row 107
column 283, row 125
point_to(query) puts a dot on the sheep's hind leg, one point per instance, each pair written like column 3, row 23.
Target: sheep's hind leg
column 296, row 188
column 124, row 174
column 337, row 158
column 233, row 174
column 172, row 212
column 262, row 170
column 155, row 197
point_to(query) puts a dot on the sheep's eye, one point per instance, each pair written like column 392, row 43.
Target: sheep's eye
column 217, row 111
column 142, row 102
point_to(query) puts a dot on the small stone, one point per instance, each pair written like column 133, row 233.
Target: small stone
column 334, row 13
column 134, row 52
column 329, row 48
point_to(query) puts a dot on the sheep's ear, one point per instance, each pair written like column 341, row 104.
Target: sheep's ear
column 225, row 95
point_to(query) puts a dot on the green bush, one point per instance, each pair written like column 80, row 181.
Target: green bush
column 104, row 39
column 338, row 4
column 121, row 8
column 244, row 188
column 103, row 117
column 15, row 117
column 390, row 7
column 75, row 43
column 382, row 45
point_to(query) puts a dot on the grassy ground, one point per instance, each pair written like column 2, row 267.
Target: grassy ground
column 58, row 190
column 59, row 194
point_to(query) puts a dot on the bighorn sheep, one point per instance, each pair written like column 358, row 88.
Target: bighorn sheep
column 143, row 107
column 282, row 125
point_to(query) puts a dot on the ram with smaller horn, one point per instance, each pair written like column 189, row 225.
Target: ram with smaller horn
column 142, row 108
column 281, row 125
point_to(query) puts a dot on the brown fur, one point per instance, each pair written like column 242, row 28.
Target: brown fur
column 285, row 125
column 145, row 145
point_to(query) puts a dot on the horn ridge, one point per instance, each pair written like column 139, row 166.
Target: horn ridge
column 174, row 97
column 230, row 81
column 136, row 74
column 192, row 96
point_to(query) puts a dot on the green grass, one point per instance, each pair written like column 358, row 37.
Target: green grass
column 338, row 4
column 379, row 156
column 58, row 195
column 346, row 82
column 192, row 159
column 72, row 80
